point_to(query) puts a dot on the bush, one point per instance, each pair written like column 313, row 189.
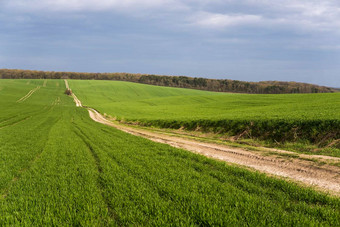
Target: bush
column 68, row 91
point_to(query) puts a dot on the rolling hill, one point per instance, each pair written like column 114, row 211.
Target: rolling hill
column 58, row 167
column 278, row 118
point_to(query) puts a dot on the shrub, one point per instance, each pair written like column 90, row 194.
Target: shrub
column 68, row 91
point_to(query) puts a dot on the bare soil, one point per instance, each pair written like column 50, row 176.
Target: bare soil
column 77, row 101
column 66, row 84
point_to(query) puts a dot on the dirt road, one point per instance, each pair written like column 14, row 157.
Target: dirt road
column 76, row 100
column 66, row 84
column 325, row 177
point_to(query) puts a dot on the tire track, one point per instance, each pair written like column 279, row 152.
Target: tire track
column 100, row 179
column 3, row 121
column 28, row 94
column 17, row 176
column 16, row 122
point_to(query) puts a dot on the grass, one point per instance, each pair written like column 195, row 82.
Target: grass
column 311, row 122
column 58, row 167
column 138, row 101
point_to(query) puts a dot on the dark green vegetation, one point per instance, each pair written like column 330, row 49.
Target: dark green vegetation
column 306, row 118
column 58, row 167
column 263, row 87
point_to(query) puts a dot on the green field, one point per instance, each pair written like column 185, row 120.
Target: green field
column 139, row 101
column 307, row 118
column 58, row 167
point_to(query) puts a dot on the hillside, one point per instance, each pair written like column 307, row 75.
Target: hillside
column 235, row 86
column 139, row 101
column 277, row 118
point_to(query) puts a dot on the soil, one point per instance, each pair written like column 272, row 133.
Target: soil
column 66, row 84
column 76, row 100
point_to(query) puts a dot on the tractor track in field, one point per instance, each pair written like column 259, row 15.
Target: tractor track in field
column 28, row 94
column 15, row 123
column 5, row 191
column 324, row 177
column 100, row 180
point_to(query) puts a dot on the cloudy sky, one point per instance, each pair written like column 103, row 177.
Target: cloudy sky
column 253, row 40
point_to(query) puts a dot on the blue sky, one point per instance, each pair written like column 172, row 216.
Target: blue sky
column 291, row 40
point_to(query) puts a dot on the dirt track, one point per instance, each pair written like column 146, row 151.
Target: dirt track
column 66, row 84
column 76, row 100
column 324, row 177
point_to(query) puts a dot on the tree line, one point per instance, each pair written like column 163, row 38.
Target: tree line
column 219, row 85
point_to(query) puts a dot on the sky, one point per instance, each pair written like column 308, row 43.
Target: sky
column 251, row 40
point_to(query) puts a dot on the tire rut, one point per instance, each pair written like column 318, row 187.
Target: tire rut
column 18, row 175
column 28, row 95
column 100, row 179
column 16, row 122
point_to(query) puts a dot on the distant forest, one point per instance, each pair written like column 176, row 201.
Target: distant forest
column 221, row 85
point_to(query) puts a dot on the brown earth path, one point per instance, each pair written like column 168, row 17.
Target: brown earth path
column 325, row 177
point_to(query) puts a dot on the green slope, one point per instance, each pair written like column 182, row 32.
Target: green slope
column 138, row 101
column 58, row 167
column 314, row 118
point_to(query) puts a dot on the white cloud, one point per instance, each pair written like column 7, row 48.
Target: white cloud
column 89, row 5
column 216, row 20
column 304, row 15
